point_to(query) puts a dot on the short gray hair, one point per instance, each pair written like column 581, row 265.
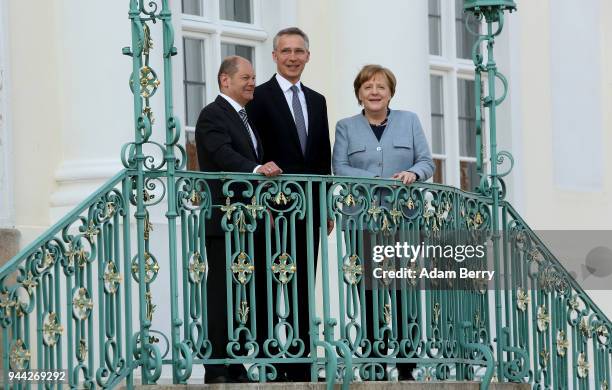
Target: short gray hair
column 229, row 66
column 290, row 31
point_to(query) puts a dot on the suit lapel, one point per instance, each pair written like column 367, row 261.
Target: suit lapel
column 237, row 122
column 281, row 101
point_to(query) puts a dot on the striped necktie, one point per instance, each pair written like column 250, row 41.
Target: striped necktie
column 245, row 120
column 298, row 115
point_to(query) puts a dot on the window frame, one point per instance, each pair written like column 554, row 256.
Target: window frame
column 452, row 69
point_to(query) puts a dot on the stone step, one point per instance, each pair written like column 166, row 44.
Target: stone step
column 357, row 386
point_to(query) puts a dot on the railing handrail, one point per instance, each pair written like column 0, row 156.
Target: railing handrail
column 553, row 258
column 10, row 265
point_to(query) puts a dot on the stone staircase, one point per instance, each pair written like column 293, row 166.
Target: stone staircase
column 356, row 386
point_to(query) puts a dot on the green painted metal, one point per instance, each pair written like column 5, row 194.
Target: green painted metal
column 68, row 300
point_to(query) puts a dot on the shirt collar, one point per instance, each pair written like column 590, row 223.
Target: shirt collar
column 286, row 84
column 235, row 105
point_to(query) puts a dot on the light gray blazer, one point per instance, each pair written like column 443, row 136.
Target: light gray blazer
column 402, row 147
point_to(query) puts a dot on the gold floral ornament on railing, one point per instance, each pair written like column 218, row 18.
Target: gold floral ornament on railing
column 82, row 350
column 242, row 267
column 151, row 268
column 19, row 355
column 52, row 329
column 228, row 209
column 150, row 307
column 49, row 259
column 387, row 313
column 29, row 283
column 92, row 231
column 352, row 270
column 76, row 256
column 349, row 200
column 374, row 211
column 583, row 366
column 283, row 269
column 254, row 208
column 585, row 327
column 436, row 314
column 197, row 268
column 148, row 227
column 111, row 278
column 6, row 302
column 82, row 304
column 544, row 355
column 543, row 318
column 280, row 198
column 243, row 312
column 562, row 343
column 522, row 299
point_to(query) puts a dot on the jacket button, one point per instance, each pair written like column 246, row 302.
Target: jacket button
column 379, row 148
column 380, row 164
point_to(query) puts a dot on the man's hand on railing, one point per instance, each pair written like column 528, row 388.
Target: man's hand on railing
column 330, row 226
column 406, row 177
column 269, row 169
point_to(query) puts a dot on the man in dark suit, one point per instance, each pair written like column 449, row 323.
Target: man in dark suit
column 226, row 142
column 292, row 120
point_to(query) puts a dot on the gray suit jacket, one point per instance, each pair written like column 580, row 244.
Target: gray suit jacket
column 402, row 147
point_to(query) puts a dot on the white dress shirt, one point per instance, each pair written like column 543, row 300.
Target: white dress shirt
column 236, row 106
column 286, row 88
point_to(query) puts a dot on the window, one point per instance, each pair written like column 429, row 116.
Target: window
column 452, row 94
column 231, row 49
column 467, row 134
column 435, row 28
column 195, row 81
column 213, row 30
column 464, row 38
column 437, row 126
column 193, row 7
column 236, row 10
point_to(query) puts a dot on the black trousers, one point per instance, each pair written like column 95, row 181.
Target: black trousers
column 404, row 369
column 288, row 371
column 216, row 310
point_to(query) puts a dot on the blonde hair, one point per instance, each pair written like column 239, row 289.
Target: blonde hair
column 369, row 71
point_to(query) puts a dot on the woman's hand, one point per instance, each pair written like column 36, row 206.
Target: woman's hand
column 406, row 177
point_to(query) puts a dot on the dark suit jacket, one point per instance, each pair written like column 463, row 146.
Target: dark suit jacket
column 271, row 115
column 224, row 145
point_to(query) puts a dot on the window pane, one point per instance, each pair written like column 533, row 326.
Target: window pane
column 437, row 115
column 469, row 177
column 236, row 10
column 193, row 7
column 230, row 49
column 467, row 118
column 438, row 176
column 195, row 97
column 465, row 39
column 435, row 28
column 194, row 59
column 195, row 80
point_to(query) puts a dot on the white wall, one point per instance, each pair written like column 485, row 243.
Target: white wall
column 6, row 149
column 555, row 175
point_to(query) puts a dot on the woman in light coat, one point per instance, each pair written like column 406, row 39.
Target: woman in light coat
column 380, row 142
column 384, row 143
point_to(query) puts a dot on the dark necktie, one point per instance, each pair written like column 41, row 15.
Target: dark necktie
column 298, row 115
column 245, row 120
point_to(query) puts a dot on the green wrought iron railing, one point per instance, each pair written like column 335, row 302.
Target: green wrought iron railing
column 111, row 300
